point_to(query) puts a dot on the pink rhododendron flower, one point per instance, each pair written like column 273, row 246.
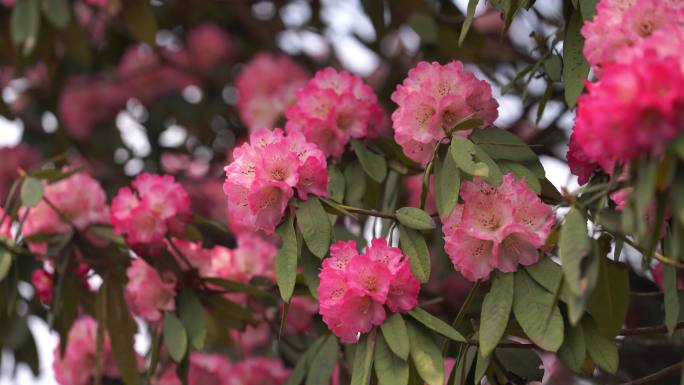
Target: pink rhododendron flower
column 215, row 369
column 159, row 205
column 77, row 365
column 621, row 24
column 300, row 315
column 11, row 160
column 264, row 175
column 496, row 228
column 634, row 110
column 267, row 86
column 355, row 287
column 259, row 371
column 148, row 294
column 332, row 108
column 208, row 45
column 432, row 100
column 579, row 162
column 43, row 282
column 80, row 201
column 252, row 338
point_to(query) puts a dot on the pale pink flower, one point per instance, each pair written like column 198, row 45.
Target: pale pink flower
column 432, row 100
column 193, row 252
column 253, row 337
column 496, row 228
column 258, row 371
column 148, row 295
column 267, row 86
column 332, row 108
column 209, row 369
column 300, row 315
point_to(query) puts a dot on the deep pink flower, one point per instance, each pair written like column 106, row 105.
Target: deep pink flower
column 403, row 290
column 148, row 294
column 369, row 277
column 6, row 225
column 579, row 162
column 432, row 100
column 11, row 160
column 356, row 314
column 43, row 282
column 207, row 46
column 332, row 108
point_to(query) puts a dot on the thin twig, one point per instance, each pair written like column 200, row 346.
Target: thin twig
column 657, row 375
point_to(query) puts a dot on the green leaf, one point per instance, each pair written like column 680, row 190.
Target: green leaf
column 415, row 218
column 311, row 267
column 57, row 12
column 520, row 171
column 467, row 124
column 25, row 24
column 326, row 359
column 609, row 302
column 531, row 305
column 463, row 367
column 396, row 335
column 355, row 181
column 588, row 8
column 426, row 356
column 473, row 160
column 390, row 369
column 194, row 318
column 32, row 189
column 139, row 18
column 315, row 226
column 435, row 324
column 496, row 310
column 5, row 263
column 503, row 144
column 238, row 287
column 574, row 350
column 414, row 246
column 336, row 184
column 553, row 65
column 575, row 66
column 286, row 260
column 175, row 337
column 574, row 247
column 373, row 164
column 363, row 360
column 671, row 297
column 122, row 328
column 481, row 366
column 299, row 372
column 525, row 363
column 447, row 185
column 602, row 350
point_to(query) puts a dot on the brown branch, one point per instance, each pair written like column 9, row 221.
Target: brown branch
column 657, row 375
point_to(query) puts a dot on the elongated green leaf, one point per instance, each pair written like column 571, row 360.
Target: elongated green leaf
column 194, row 318
column 238, row 287
column 447, row 185
column 414, row 246
column 602, row 350
column 356, row 184
column 474, row 160
column 575, row 66
column 122, row 328
column 523, row 362
column 609, row 301
column 5, row 263
column 396, row 335
column 574, row 350
column 286, row 260
column 575, row 246
column 363, row 360
column 481, row 366
column 531, row 305
column 373, row 164
column 140, row 20
column 671, row 297
column 325, row 361
column 415, row 218
column 175, row 337
column 503, row 144
column 336, row 184
column 496, row 310
column 57, row 12
column 426, row 355
column 315, row 226
column 390, row 369
column 311, row 267
column 299, row 372
column 435, row 324
column 32, row 191
column 588, row 8
column 25, row 23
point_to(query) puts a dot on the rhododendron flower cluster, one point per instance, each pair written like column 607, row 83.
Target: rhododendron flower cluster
column 267, row 86
column 619, row 25
column 355, row 288
column 77, row 365
column 334, row 107
column 432, row 100
column 264, row 174
column 496, row 228
column 156, row 205
column 77, row 201
column 148, row 295
column 215, row 369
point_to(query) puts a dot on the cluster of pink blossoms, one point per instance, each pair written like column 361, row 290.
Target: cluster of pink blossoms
column 78, row 200
column 334, row 107
column 263, row 175
column 157, row 205
column 496, row 228
column 148, row 294
column 215, row 369
column 355, row 288
column 432, row 100
column 267, row 86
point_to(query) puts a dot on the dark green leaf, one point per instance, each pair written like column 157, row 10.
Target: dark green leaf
column 575, row 66
column 194, row 318
column 25, row 23
column 139, row 18
column 503, row 144
column 609, row 301
column 238, row 287
column 435, row 324
column 396, row 335
column 415, row 218
column 299, row 372
column 355, row 182
column 523, row 362
column 414, row 246
column 175, row 336
column 481, row 367
column 496, row 310
column 447, row 185
column 311, row 266
column 553, row 65
column 335, row 208
column 426, row 356
column 325, row 362
column 575, row 246
column 335, row 183
column 57, row 12
column 602, row 350
column 373, row 164
column 531, row 306
column 390, row 369
column 76, row 43
column 315, row 226
column 5, row 263
column 122, row 328
column 31, row 189
column 672, row 305
column 286, row 260
column 588, row 8
column 363, row 360
column 474, row 160
column 574, row 350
